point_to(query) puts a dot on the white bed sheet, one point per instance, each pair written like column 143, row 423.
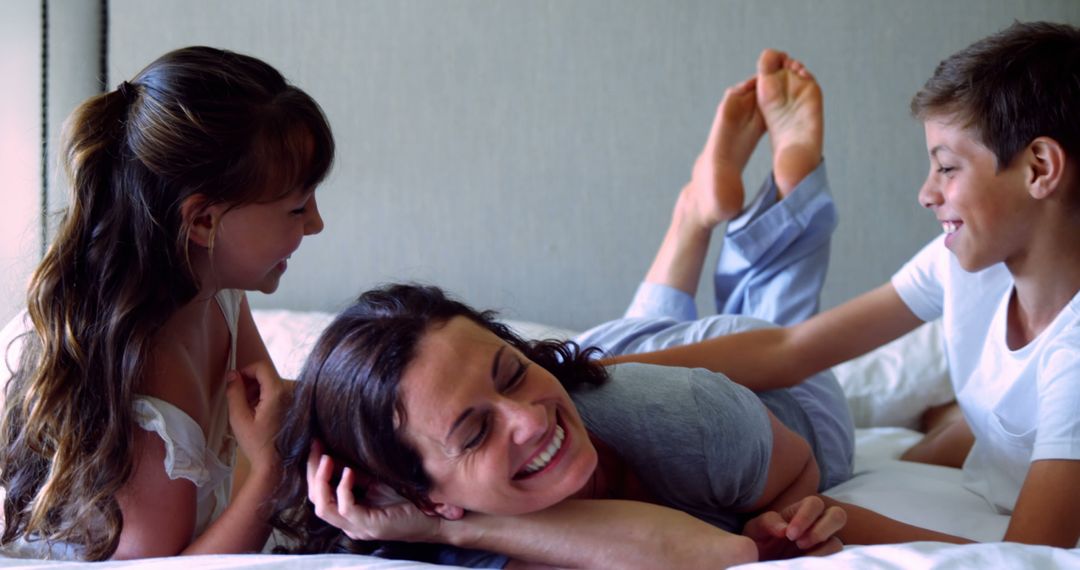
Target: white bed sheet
column 918, row 494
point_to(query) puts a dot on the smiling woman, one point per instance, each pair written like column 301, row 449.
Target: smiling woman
column 496, row 434
column 424, row 397
column 379, row 397
column 538, row 453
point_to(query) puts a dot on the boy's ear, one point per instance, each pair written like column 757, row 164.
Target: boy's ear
column 200, row 218
column 449, row 512
column 1046, row 168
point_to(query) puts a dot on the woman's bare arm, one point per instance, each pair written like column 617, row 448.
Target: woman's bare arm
column 793, row 472
column 571, row 534
column 576, row 533
column 603, row 534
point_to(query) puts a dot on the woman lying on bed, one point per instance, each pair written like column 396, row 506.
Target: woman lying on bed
column 475, row 427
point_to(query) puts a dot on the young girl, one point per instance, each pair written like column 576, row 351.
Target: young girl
column 1005, row 278
column 143, row 371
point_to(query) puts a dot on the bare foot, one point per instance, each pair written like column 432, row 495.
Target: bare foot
column 715, row 193
column 790, row 100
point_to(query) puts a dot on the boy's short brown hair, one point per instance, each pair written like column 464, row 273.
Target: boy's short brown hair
column 1011, row 87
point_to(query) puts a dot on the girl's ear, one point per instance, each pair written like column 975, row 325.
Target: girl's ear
column 449, row 512
column 200, row 218
column 1046, row 167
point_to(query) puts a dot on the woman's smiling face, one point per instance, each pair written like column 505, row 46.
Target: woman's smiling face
column 497, row 434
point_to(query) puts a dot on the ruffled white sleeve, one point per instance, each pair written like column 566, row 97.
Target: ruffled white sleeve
column 186, row 453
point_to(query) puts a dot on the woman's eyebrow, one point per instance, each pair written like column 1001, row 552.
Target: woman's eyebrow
column 495, row 363
column 469, row 411
column 457, row 423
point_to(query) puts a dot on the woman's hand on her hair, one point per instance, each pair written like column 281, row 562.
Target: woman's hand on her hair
column 257, row 400
column 805, row 527
column 384, row 515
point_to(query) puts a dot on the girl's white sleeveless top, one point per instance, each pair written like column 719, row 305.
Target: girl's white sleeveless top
column 205, row 459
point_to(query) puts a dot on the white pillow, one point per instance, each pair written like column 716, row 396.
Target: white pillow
column 10, row 350
column 924, row 495
column 890, row 386
column 537, row 331
column 893, row 385
column 289, row 336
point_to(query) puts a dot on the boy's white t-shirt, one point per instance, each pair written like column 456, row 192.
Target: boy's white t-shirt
column 1022, row 405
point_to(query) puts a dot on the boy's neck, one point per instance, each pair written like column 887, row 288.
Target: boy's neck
column 1046, row 280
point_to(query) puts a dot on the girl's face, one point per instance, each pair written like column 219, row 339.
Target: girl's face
column 496, row 433
column 986, row 214
column 253, row 242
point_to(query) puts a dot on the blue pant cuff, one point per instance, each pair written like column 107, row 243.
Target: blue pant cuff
column 655, row 300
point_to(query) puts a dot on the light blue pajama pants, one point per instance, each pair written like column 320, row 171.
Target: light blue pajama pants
column 770, row 270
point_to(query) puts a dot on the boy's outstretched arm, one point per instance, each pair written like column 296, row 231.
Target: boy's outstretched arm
column 1046, row 511
column 766, row 359
column 869, row 527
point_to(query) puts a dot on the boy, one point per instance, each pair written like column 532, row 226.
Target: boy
column 1003, row 143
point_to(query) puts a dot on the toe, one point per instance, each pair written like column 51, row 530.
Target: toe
column 747, row 85
column 771, row 61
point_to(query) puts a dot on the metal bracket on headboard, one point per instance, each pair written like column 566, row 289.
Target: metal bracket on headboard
column 103, row 82
column 103, row 46
column 44, row 124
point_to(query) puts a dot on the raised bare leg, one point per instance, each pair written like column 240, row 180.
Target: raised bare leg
column 715, row 191
column 791, row 103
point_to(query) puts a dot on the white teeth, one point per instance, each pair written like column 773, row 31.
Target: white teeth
column 545, row 456
column 949, row 227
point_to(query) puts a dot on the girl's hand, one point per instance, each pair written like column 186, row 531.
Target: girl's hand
column 385, row 515
column 257, row 400
column 804, row 527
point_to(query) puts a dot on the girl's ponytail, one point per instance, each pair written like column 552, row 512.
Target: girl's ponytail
column 61, row 407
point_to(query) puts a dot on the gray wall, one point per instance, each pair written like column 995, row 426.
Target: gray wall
column 20, row 150
column 526, row 154
column 59, row 68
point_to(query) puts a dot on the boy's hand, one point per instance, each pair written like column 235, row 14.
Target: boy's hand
column 806, row 527
column 384, row 515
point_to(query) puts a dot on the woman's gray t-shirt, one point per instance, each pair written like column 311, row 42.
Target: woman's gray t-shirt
column 698, row 441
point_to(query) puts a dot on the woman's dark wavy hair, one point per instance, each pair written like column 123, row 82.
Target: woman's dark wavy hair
column 1011, row 87
column 347, row 398
column 197, row 120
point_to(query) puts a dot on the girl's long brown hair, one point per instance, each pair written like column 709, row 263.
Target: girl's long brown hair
column 196, row 121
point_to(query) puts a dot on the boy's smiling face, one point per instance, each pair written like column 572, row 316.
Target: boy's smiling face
column 985, row 212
